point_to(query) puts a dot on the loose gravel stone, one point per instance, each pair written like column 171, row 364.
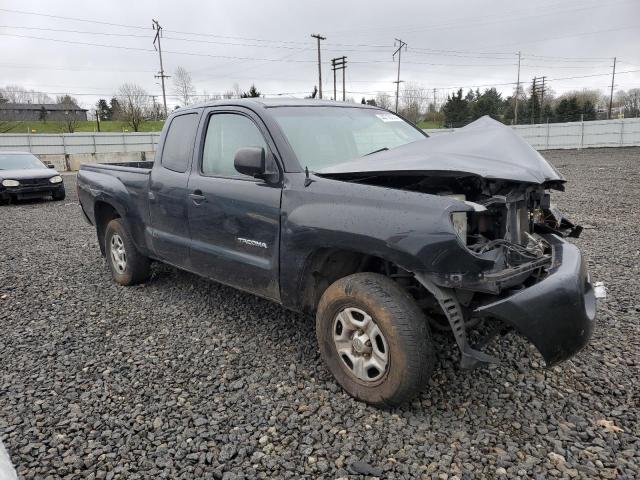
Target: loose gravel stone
column 184, row 378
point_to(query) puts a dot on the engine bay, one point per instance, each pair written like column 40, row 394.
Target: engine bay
column 506, row 224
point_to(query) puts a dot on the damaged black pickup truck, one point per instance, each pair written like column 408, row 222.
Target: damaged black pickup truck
column 349, row 213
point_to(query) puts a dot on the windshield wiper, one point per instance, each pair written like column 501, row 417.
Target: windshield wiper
column 376, row 151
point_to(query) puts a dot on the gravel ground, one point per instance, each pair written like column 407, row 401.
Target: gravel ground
column 184, row 378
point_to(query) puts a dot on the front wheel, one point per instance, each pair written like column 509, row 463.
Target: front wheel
column 128, row 266
column 374, row 339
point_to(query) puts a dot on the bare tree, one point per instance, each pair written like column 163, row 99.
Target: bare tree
column 207, row 97
column 70, row 122
column 237, row 91
column 183, row 86
column 228, row 94
column 413, row 101
column 629, row 102
column 18, row 94
column 134, row 104
column 67, row 100
column 383, row 100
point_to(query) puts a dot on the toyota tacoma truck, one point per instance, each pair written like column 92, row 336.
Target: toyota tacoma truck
column 351, row 214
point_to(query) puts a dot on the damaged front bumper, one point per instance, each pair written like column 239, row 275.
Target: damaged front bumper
column 557, row 314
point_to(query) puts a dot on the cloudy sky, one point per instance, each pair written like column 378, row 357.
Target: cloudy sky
column 88, row 49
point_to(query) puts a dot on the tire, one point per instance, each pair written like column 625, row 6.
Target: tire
column 399, row 328
column 128, row 266
column 59, row 195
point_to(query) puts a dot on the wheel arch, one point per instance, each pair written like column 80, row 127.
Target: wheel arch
column 325, row 265
column 104, row 212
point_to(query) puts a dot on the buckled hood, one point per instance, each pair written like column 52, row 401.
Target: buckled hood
column 485, row 148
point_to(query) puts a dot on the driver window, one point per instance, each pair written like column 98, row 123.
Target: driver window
column 226, row 134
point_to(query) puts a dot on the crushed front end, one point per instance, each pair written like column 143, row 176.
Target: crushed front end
column 531, row 278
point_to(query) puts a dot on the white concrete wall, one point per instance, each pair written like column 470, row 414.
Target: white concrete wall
column 68, row 151
column 599, row 133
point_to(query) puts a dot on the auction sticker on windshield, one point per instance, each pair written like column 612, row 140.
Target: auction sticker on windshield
column 388, row 117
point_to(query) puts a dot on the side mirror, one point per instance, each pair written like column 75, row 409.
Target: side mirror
column 251, row 161
column 50, row 165
column 257, row 163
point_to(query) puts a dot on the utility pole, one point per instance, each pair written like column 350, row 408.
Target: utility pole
column 515, row 115
column 397, row 82
column 161, row 75
column 155, row 107
column 319, row 37
column 542, row 97
column 339, row 63
column 533, row 101
column 98, row 120
column 613, row 77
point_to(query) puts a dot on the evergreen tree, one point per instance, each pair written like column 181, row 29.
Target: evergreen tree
column 456, row 110
column 588, row 110
column 470, row 96
column 547, row 113
column 568, row 110
column 488, row 103
column 115, row 109
column 42, row 115
column 252, row 93
column 104, row 111
column 533, row 107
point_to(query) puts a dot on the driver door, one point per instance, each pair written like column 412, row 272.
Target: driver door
column 234, row 219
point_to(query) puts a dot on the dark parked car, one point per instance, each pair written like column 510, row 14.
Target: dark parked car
column 352, row 214
column 23, row 175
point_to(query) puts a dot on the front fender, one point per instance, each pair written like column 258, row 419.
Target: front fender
column 411, row 229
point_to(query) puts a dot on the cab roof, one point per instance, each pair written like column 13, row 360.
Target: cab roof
column 280, row 102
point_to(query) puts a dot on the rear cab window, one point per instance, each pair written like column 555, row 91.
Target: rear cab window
column 178, row 144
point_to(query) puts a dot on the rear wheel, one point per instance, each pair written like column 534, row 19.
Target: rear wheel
column 374, row 339
column 128, row 266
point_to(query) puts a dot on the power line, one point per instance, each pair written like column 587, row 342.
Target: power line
column 60, row 17
column 72, row 69
column 122, row 47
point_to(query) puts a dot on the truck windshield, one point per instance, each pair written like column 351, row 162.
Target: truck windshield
column 326, row 136
column 19, row 161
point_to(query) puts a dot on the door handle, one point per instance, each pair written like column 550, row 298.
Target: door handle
column 197, row 197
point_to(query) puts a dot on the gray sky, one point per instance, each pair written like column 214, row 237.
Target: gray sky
column 450, row 44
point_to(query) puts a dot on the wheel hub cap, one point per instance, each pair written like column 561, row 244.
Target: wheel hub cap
column 118, row 253
column 360, row 344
